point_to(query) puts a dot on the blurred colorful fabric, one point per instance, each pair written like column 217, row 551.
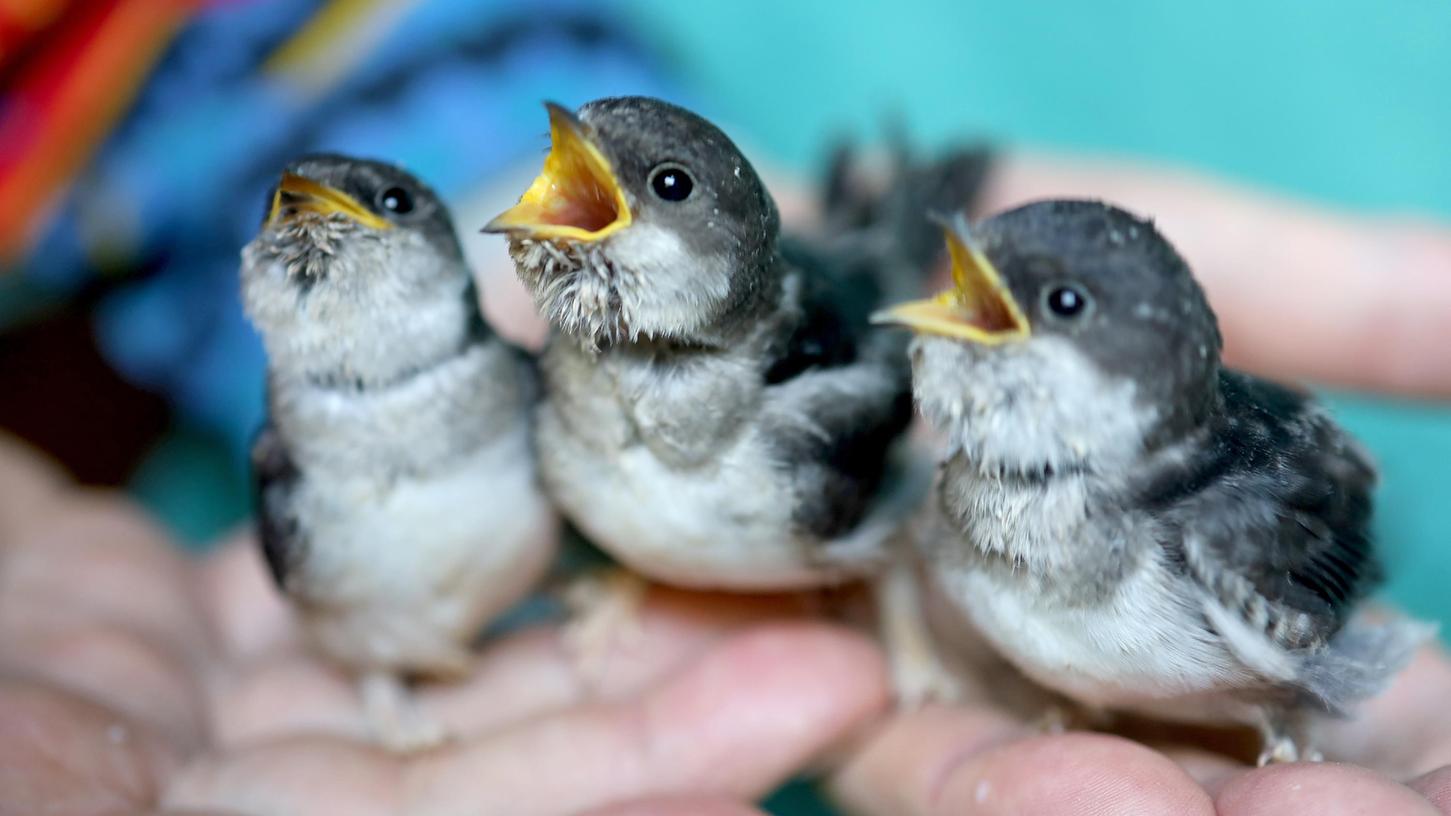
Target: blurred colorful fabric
column 154, row 127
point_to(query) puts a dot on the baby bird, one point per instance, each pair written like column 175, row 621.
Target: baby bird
column 397, row 499
column 719, row 413
column 1126, row 521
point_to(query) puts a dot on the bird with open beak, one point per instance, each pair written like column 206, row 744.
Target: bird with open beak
column 1126, row 521
column 719, row 413
column 397, row 500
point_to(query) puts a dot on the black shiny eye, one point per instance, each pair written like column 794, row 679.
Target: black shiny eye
column 1066, row 301
column 671, row 183
column 396, row 200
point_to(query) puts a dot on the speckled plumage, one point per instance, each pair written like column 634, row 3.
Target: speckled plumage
column 1134, row 526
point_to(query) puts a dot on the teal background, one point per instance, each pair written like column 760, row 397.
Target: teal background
column 1347, row 103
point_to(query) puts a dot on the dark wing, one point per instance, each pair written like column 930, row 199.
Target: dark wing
column 275, row 478
column 836, row 305
column 894, row 202
column 846, row 389
column 1273, row 514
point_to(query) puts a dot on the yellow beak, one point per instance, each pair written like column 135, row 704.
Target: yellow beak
column 978, row 308
column 576, row 196
column 299, row 194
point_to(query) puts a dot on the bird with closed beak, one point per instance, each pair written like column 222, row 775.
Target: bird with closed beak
column 719, row 413
column 1126, row 521
column 397, row 500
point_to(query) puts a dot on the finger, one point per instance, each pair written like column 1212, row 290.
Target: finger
column 28, row 484
column 525, row 675
column 65, row 754
column 300, row 774
column 734, row 723
column 676, row 806
column 1207, row 767
column 1436, row 787
column 1300, row 292
column 244, row 607
column 93, row 597
column 533, row 673
column 942, row 761
column 1325, row 789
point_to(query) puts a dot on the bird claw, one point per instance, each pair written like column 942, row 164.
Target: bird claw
column 395, row 719
column 1285, row 749
column 604, row 615
column 1054, row 720
column 1287, row 738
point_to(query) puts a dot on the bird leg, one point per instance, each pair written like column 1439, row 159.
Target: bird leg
column 1061, row 715
column 1286, row 738
column 604, row 612
column 394, row 716
column 918, row 674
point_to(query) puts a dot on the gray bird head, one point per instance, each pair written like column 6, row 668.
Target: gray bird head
column 645, row 222
column 1074, row 337
column 356, row 275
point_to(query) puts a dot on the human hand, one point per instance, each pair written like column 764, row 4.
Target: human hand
column 977, row 758
column 133, row 680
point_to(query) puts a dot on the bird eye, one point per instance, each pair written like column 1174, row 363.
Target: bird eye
column 671, row 182
column 396, row 200
column 1066, row 301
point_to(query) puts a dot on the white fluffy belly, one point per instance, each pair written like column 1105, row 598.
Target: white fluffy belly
column 405, row 576
column 726, row 525
column 1140, row 651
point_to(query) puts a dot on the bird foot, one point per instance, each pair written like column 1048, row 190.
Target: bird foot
column 917, row 682
column 1054, row 720
column 1287, row 736
column 604, row 616
column 918, row 674
column 1061, row 716
column 1285, row 749
column 394, row 717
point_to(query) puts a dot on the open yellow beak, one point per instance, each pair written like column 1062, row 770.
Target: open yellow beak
column 299, row 194
column 576, row 196
column 978, row 308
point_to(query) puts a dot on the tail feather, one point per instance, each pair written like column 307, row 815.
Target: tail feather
column 890, row 195
column 1361, row 660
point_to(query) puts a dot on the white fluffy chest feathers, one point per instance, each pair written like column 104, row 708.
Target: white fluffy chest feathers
column 1142, row 641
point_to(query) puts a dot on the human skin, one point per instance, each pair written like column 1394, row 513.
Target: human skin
column 134, row 679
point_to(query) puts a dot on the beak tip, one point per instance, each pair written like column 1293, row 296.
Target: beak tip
column 559, row 114
column 883, row 317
